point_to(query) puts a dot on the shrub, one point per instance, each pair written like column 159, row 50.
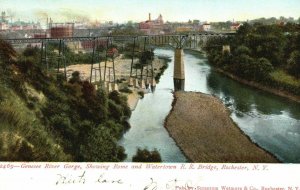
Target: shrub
column 75, row 77
column 120, row 100
column 242, row 50
column 115, row 110
column 115, row 96
column 294, row 63
column 146, row 57
column 101, row 146
column 141, row 93
column 126, row 90
column 31, row 52
column 146, row 156
column 74, row 123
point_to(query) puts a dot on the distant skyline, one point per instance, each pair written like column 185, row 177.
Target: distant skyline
column 137, row 10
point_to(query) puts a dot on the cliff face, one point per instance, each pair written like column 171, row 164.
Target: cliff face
column 201, row 126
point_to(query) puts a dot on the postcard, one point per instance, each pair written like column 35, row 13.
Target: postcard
column 165, row 94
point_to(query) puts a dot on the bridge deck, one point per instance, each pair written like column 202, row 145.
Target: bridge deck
column 116, row 38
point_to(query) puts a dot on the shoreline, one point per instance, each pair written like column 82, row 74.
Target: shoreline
column 210, row 135
column 122, row 66
column 133, row 100
column 259, row 86
column 284, row 94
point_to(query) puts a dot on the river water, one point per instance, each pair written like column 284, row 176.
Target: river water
column 270, row 121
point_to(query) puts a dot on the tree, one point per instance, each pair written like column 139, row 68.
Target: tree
column 101, row 146
column 262, row 69
column 7, row 52
column 244, row 30
column 196, row 22
column 120, row 100
column 146, row 57
column 241, row 65
column 146, row 156
column 294, row 63
column 31, row 52
column 242, row 50
column 267, row 45
column 75, row 78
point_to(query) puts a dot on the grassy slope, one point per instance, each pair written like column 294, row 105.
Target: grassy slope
column 281, row 76
column 44, row 119
column 22, row 136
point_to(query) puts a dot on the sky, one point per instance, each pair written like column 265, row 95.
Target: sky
column 137, row 10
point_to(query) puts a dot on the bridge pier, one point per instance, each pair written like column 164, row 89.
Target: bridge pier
column 136, row 82
column 179, row 77
column 225, row 49
column 130, row 81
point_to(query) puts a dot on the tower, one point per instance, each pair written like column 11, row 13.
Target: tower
column 3, row 16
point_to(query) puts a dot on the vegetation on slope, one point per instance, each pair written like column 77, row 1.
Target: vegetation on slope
column 47, row 119
column 144, row 155
column 267, row 54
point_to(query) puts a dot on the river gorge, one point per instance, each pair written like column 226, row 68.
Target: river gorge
column 270, row 121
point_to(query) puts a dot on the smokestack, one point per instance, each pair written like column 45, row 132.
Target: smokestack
column 47, row 26
column 149, row 16
column 50, row 22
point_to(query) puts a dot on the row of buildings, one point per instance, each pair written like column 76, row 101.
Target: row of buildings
column 150, row 26
column 158, row 26
column 6, row 24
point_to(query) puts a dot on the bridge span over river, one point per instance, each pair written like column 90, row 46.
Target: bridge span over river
column 146, row 43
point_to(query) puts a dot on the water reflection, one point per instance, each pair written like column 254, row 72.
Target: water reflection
column 270, row 121
column 247, row 98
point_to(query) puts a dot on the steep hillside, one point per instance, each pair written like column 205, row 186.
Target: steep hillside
column 47, row 119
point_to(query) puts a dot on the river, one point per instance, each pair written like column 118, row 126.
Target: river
column 270, row 121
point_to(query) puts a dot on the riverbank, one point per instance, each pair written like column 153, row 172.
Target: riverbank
column 201, row 126
column 122, row 71
column 253, row 84
column 132, row 100
column 277, row 92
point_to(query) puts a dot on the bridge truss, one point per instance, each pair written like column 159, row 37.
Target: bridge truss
column 140, row 42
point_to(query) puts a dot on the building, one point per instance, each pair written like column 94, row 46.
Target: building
column 235, row 26
column 61, row 30
column 152, row 26
column 4, row 26
column 206, row 27
column 113, row 52
column 40, row 35
column 184, row 29
column 16, row 27
column 88, row 44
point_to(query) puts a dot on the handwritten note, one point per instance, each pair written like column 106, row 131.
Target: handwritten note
column 189, row 176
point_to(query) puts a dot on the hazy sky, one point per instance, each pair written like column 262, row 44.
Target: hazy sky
column 137, row 10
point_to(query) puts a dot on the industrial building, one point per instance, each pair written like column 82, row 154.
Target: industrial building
column 150, row 26
column 61, row 30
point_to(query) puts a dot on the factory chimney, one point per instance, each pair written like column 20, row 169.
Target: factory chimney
column 47, row 24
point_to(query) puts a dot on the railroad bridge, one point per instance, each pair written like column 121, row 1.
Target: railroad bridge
column 144, row 42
